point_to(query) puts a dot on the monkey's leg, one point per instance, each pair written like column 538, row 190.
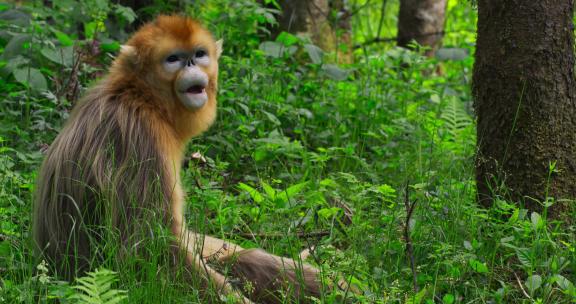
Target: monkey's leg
column 265, row 271
column 272, row 278
column 266, row 276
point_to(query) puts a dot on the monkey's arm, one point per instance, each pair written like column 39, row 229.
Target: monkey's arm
column 188, row 241
column 218, row 249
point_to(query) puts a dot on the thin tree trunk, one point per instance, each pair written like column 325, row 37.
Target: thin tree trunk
column 422, row 21
column 524, row 90
column 307, row 17
column 342, row 25
column 326, row 22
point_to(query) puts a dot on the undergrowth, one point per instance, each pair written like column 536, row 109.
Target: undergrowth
column 304, row 154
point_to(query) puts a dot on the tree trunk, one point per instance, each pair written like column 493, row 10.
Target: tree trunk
column 326, row 22
column 308, row 17
column 422, row 21
column 342, row 21
column 524, row 87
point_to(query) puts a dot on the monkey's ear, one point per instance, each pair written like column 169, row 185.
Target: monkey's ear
column 219, row 44
column 128, row 51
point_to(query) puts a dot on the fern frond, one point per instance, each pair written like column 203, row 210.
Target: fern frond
column 455, row 117
column 96, row 288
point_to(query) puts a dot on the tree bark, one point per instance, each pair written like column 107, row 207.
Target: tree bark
column 422, row 21
column 524, row 87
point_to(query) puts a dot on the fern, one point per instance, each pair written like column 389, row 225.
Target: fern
column 96, row 288
column 458, row 127
column 455, row 117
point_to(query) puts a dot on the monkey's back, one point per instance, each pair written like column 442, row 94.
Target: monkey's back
column 101, row 181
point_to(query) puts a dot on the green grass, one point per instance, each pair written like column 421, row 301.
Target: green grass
column 292, row 150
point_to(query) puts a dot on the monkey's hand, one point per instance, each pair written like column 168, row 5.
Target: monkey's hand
column 217, row 250
column 213, row 276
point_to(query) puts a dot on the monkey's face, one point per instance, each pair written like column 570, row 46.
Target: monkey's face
column 189, row 68
column 183, row 57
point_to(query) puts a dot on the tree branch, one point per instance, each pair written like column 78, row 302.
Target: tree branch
column 313, row 234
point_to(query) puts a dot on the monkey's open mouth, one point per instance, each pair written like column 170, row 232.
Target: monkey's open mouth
column 195, row 89
column 194, row 95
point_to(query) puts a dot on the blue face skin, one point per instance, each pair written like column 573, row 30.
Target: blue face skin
column 191, row 81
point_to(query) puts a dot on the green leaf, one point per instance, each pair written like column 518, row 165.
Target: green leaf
column 434, row 98
column 456, row 120
column 92, row 28
column 15, row 63
column 276, row 50
column 64, row 39
column 63, row 56
column 260, row 154
column 327, row 182
column 448, row 298
column 533, row 283
column 15, row 46
column 270, row 192
column 254, row 194
column 287, row 39
column 507, row 239
column 314, row 52
column 126, row 13
column 96, row 288
column 387, row 191
column 417, row 298
column 328, row 213
column 563, row 283
column 271, row 49
column 478, row 266
column 536, row 220
column 111, row 47
column 15, row 17
column 335, row 72
column 32, row 78
column 514, row 216
column 272, row 118
column 453, row 54
column 291, row 191
column 5, row 249
column 100, row 6
column 524, row 257
column 295, row 189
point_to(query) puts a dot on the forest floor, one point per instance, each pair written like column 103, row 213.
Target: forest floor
column 304, row 154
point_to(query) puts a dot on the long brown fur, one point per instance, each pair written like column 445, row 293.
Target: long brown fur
column 271, row 279
column 116, row 163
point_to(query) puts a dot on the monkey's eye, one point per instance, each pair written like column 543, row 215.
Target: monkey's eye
column 172, row 58
column 200, row 53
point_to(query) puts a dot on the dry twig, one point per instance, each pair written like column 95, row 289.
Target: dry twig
column 521, row 287
column 409, row 248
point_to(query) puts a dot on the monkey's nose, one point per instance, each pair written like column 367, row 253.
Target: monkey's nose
column 190, row 62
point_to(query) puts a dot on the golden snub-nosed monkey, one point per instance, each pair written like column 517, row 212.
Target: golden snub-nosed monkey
column 116, row 164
